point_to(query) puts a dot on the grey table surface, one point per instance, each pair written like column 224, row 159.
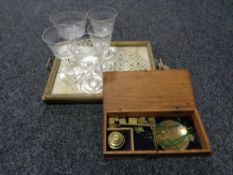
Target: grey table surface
column 36, row 138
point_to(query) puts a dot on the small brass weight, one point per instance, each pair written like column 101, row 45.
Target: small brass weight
column 116, row 140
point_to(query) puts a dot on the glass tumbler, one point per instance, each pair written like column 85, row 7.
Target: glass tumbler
column 59, row 46
column 69, row 22
column 84, row 53
column 101, row 43
column 102, row 19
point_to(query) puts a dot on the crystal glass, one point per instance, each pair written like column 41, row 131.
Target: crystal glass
column 84, row 53
column 88, row 59
column 102, row 19
column 101, row 43
column 92, row 83
column 57, row 44
column 106, row 66
column 69, row 22
column 71, row 76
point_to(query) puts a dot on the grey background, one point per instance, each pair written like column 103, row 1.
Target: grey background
column 36, row 138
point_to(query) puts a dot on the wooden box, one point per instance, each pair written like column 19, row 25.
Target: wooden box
column 159, row 94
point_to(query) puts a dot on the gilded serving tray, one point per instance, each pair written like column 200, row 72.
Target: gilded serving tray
column 132, row 56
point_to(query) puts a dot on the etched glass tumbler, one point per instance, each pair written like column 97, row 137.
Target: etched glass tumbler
column 69, row 22
column 102, row 20
column 100, row 43
column 84, row 53
column 57, row 44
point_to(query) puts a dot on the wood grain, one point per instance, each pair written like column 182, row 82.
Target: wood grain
column 145, row 91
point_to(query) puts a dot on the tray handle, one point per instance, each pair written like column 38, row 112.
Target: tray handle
column 49, row 64
column 160, row 65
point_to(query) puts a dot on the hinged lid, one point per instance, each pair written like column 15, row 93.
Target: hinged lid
column 148, row 91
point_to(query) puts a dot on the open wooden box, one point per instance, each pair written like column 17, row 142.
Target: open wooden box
column 158, row 94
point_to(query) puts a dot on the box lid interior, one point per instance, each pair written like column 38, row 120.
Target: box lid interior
column 148, row 91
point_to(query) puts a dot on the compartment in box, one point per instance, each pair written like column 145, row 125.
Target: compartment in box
column 143, row 145
column 128, row 135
